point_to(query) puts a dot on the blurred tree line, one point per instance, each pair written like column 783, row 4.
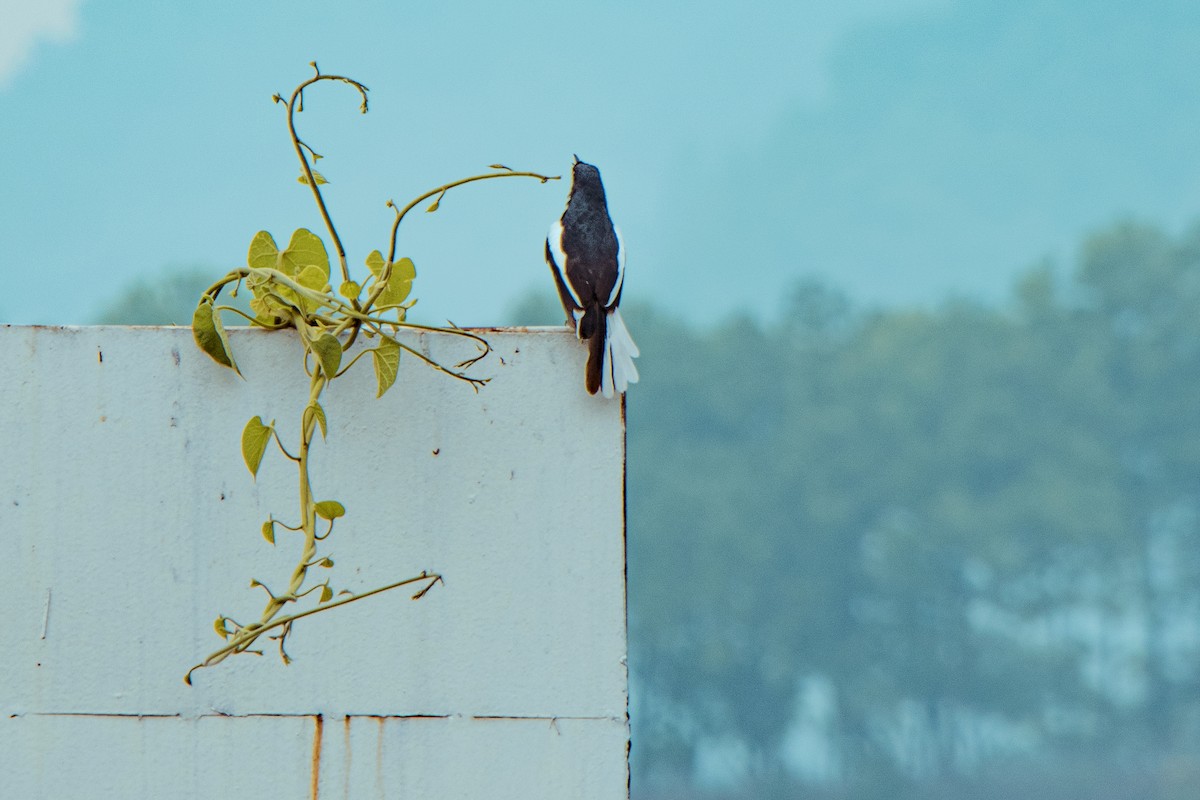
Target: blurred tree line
column 926, row 553
column 902, row 553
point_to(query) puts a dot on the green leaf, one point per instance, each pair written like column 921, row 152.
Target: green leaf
column 330, row 509
column 399, row 283
column 268, row 531
column 349, row 290
column 262, row 311
column 254, row 442
column 263, row 252
column 311, row 277
column 387, row 362
column 434, row 205
column 315, row 409
column 405, row 268
column 327, row 563
column 375, row 263
column 326, row 594
column 224, row 337
column 305, row 249
column 210, row 336
column 328, row 351
column 267, row 309
column 219, row 627
column 318, row 177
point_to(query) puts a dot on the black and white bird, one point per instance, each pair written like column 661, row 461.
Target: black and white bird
column 586, row 255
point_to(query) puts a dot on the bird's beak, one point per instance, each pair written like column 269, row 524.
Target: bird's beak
column 576, row 158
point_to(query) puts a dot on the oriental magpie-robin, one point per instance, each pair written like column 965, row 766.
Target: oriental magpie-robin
column 587, row 257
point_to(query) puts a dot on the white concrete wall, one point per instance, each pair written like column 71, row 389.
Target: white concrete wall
column 128, row 522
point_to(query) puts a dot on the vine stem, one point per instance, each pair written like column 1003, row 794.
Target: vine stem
column 300, row 146
column 308, row 514
column 238, row 644
column 401, row 213
column 308, row 508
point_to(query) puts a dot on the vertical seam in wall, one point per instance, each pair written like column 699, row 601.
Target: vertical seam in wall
column 625, row 583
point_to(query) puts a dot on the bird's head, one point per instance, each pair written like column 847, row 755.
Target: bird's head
column 583, row 172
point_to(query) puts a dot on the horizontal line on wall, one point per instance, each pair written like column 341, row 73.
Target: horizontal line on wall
column 222, row 715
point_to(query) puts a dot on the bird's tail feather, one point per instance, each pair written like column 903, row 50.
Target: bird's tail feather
column 597, row 349
column 618, row 353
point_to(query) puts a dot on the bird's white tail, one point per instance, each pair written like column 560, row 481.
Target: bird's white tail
column 619, row 352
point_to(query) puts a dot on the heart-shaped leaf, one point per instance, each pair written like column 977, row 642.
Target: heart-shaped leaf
column 386, row 356
column 330, row 509
column 210, row 335
column 263, row 252
column 314, row 410
column 254, row 442
column 304, row 250
column 375, row 263
column 328, row 351
column 399, row 283
column 311, row 277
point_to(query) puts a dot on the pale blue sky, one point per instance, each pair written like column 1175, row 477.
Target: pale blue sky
column 902, row 150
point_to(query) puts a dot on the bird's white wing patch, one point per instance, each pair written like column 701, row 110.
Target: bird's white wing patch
column 554, row 239
column 620, row 268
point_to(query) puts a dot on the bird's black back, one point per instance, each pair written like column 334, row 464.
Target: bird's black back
column 588, row 239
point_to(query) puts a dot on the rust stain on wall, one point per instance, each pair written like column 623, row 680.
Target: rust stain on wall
column 316, row 756
column 346, row 757
column 379, row 757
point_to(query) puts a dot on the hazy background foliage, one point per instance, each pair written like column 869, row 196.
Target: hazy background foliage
column 935, row 553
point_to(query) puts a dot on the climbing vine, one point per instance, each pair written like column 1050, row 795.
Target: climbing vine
column 291, row 289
